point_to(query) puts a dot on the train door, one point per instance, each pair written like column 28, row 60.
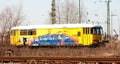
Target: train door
column 23, row 33
column 86, row 36
column 15, row 37
column 12, row 37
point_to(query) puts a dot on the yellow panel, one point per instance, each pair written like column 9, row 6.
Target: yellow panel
column 72, row 32
column 87, row 37
column 41, row 32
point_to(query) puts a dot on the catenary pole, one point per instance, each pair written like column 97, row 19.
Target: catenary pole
column 53, row 12
column 108, row 17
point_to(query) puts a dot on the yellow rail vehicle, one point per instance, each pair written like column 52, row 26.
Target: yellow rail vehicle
column 57, row 34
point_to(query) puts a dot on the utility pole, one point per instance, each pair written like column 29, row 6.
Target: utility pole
column 108, row 17
column 53, row 12
column 112, row 23
column 79, row 13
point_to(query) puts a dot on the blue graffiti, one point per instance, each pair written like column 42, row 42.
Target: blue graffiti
column 54, row 39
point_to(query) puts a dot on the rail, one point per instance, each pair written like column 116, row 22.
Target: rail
column 57, row 59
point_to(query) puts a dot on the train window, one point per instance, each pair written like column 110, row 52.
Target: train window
column 16, row 32
column 23, row 32
column 96, row 30
column 101, row 31
column 89, row 30
column 13, row 32
column 93, row 31
column 83, row 30
column 78, row 34
column 32, row 32
column 86, row 30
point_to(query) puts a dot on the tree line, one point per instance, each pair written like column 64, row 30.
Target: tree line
column 10, row 16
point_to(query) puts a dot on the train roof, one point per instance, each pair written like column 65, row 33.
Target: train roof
column 54, row 26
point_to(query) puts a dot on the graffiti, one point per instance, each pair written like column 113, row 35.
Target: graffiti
column 55, row 39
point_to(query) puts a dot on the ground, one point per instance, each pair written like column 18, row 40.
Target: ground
column 111, row 49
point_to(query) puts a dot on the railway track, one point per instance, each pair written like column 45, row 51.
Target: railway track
column 58, row 60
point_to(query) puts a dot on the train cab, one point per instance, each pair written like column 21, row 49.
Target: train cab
column 97, row 32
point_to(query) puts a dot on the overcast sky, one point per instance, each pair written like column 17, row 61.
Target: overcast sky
column 37, row 11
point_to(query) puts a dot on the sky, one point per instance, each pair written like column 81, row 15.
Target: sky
column 97, row 13
column 37, row 11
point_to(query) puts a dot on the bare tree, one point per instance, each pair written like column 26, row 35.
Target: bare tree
column 10, row 17
column 67, row 12
column 58, row 13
